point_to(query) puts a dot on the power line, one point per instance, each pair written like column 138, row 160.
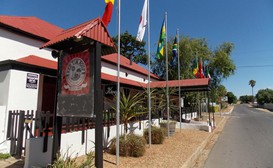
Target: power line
column 253, row 66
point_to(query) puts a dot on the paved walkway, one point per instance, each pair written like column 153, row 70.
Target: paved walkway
column 12, row 163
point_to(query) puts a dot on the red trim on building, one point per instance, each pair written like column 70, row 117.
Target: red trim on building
column 93, row 29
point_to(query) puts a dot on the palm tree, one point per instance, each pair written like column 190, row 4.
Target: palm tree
column 252, row 84
column 131, row 105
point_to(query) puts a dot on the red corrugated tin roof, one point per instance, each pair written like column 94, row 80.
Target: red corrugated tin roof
column 183, row 83
column 112, row 78
column 93, row 29
column 125, row 62
column 38, row 61
column 31, row 25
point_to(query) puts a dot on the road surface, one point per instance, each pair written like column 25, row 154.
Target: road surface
column 246, row 141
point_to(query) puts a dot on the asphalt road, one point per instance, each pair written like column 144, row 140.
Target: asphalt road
column 246, row 141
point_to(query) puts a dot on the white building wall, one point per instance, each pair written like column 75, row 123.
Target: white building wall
column 71, row 142
column 14, row 46
column 20, row 97
column 4, row 87
column 15, row 97
column 132, row 75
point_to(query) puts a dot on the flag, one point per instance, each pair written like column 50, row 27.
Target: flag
column 174, row 50
column 108, row 12
column 142, row 22
column 200, row 69
column 161, row 41
column 195, row 67
column 207, row 72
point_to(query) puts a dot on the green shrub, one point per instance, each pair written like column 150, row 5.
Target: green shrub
column 4, row 156
column 89, row 161
column 157, row 135
column 64, row 162
column 133, row 146
column 172, row 124
column 67, row 162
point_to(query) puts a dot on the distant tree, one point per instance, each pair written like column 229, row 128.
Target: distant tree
column 252, row 84
column 245, row 98
column 221, row 91
column 264, row 96
column 231, row 98
column 131, row 48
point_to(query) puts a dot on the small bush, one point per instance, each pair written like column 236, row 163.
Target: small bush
column 133, row 146
column 172, row 126
column 62, row 162
column 89, row 161
column 4, row 156
column 69, row 162
column 157, row 135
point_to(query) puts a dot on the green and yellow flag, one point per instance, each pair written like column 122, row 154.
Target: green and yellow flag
column 161, row 41
column 195, row 67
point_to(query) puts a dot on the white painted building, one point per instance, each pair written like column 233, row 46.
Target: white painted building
column 28, row 73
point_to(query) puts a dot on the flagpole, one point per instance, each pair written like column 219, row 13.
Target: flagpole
column 179, row 89
column 167, row 77
column 118, row 90
column 149, row 74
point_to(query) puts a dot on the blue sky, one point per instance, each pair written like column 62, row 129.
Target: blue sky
column 246, row 23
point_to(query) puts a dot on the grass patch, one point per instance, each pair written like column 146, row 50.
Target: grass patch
column 4, row 156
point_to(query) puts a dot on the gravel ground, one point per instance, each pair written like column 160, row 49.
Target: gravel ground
column 174, row 152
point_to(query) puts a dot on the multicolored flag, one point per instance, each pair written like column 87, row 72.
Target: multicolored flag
column 142, row 22
column 174, row 50
column 161, row 41
column 107, row 15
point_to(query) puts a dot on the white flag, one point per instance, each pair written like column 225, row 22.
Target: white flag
column 143, row 22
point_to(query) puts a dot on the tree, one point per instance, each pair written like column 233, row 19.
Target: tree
column 245, row 99
column 131, row 48
column 231, row 98
column 264, row 96
column 159, row 97
column 131, row 105
column 221, row 92
column 221, row 65
column 252, row 84
column 218, row 61
column 188, row 50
